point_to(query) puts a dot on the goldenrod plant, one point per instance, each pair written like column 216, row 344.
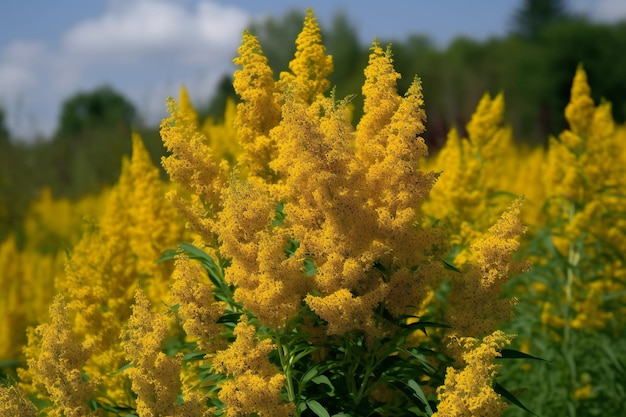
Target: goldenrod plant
column 330, row 267
column 573, row 298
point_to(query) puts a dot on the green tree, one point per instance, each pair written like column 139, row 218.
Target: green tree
column 277, row 36
column 4, row 131
column 99, row 108
column 534, row 15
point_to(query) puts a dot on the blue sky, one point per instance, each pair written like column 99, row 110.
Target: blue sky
column 51, row 49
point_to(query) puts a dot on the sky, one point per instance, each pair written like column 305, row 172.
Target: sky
column 147, row 49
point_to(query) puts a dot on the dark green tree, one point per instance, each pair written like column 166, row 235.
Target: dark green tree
column 217, row 104
column 534, row 15
column 102, row 107
column 4, row 131
column 277, row 37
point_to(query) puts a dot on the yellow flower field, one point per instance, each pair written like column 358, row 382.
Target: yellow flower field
column 302, row 263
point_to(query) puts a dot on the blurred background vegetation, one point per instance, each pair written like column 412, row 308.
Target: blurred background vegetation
column 533, row 66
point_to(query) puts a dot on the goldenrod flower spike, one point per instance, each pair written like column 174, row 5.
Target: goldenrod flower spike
column 469, row 392
column 198, row 311
column 256, row 384
column 258, row 112
column 579, row 111
column 191, row 162
column 155, row 376
column 223, row 135
column 381, row 101
column 396, row 180
column 310, row 66
column 475, row 304
column 57, row 370
column 186, row 107
column 14, row 403
column 154, row 223
column 486, row 120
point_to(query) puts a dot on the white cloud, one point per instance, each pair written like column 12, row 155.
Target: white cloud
column 145, row 49
column 609, row 11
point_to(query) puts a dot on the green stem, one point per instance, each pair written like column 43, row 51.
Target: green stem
column 573, row 258
column 285, row 362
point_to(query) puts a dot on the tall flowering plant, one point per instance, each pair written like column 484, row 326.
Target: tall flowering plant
column 308, row 288
column 322, row 260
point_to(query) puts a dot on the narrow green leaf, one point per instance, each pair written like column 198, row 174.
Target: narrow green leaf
column 317, row 408
column 194, row 356
column 168, row 255
column 322, row 379
column 9, row 363
column 449, row 266
column 420, row 394
column 123, row 368
column 229, row 318
column 310, row 374
column 499, row 389
column 516, row 354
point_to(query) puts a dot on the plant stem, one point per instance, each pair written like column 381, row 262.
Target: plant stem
column 285, row 362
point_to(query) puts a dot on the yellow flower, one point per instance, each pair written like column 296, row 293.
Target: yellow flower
column 584, row 392
column 475, row 305
column 13, row 403
column 580, row 109
column 186, row 107
column 256, row 383
column 468, row 392
column 468, row 196
column 57, row 371
column 223, row 136
column 197, row 310
column 192, row 165
column 258, row 112
column 155, row 376
column 310, row 66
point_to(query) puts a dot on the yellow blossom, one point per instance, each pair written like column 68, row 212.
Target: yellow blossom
column 468, row 392
column 258, row 112
column 13, row 403
column 197, row 310
column 256, row 383
column 192, row 165
column 310, row 66
column 57, row 371
column 155, row 376
column 223, row 135
column 186, row 107
column 580, row 109
column 475, row 306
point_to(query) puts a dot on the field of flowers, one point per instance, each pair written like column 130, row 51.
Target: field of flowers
column 301, row 263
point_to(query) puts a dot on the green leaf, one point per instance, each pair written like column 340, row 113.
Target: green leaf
column 229, row 318
column 499, row 389
column 317, row 408
column 309, row 268
column 310, row 374
column 168, row 255
column 322, row 379
column 516, row 354
column 9, row 363
column 279, row 217
column 123, row 368
column 450, row 266
column 420, row 394
column 194, row 356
